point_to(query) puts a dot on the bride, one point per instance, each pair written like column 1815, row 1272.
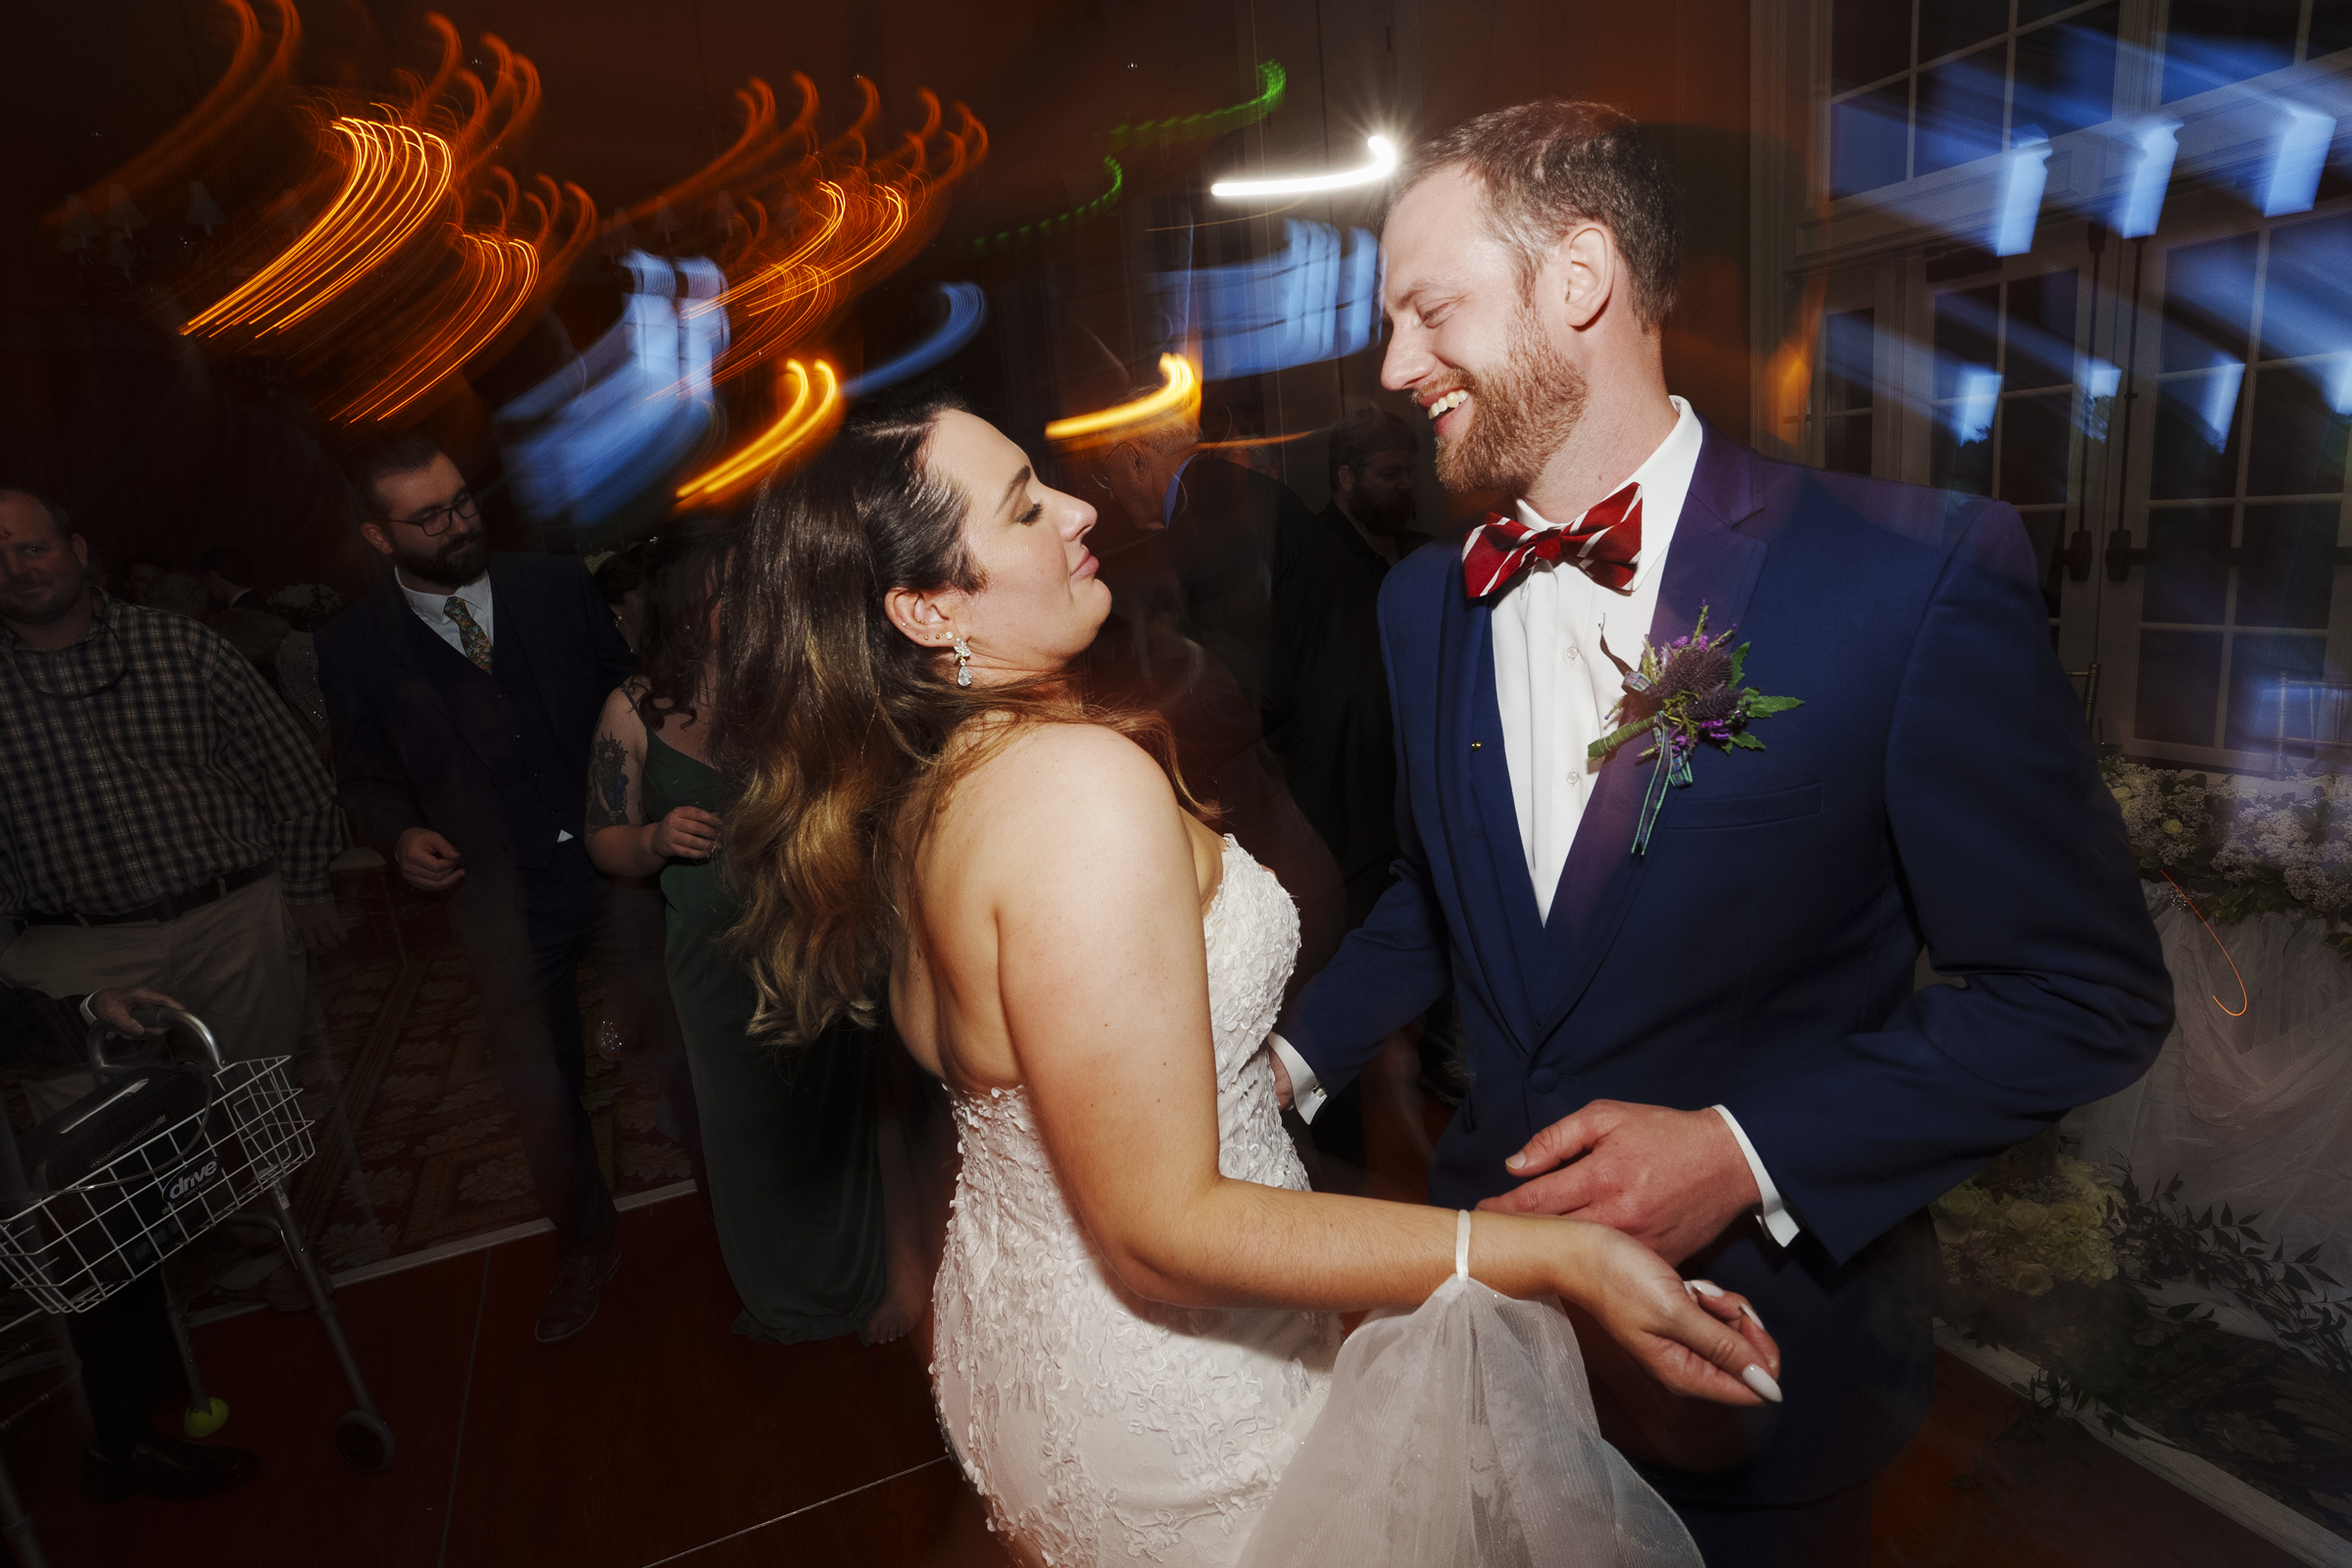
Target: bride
column 1136, row 1315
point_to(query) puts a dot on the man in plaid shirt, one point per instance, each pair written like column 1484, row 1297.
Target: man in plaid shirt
column 165, row 822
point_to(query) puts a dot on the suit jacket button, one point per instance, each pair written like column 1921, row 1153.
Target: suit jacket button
column 1543, row 1080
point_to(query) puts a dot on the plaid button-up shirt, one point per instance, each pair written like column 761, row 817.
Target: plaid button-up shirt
column 144, row 760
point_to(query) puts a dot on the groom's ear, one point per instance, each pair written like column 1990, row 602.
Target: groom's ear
column 1584, row 273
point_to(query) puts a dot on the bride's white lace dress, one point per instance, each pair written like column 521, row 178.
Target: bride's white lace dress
column 1108, row 1430
column 1101, row 1426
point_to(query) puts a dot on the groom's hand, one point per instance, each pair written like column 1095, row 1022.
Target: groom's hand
column 1673, row 1180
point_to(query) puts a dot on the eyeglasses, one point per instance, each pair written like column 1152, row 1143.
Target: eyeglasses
column 435, row 521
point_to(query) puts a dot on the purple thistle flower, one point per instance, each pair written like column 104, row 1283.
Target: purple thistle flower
column 1700, row 669
column 1717, row 707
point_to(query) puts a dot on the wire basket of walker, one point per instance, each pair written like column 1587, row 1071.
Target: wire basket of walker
column 141, row 1166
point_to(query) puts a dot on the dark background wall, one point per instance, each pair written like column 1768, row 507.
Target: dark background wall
column 161, row 448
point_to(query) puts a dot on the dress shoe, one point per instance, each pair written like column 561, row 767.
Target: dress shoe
column 580, row 1283
column 167, row 1468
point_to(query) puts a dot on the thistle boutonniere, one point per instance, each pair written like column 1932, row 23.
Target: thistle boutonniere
column 1680, row 695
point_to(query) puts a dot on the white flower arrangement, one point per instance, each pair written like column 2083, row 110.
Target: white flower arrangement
column 2238, row 849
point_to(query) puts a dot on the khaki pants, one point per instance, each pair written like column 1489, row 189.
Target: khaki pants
column 237, row 963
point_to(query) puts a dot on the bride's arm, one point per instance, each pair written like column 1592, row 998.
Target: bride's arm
column 1104, row 981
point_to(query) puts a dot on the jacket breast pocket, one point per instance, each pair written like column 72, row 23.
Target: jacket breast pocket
column 1694, row 812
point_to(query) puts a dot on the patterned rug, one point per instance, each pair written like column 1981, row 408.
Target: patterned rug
column 416, row 1144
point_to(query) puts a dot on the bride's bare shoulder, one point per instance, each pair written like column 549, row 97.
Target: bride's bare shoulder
column 1077, row 775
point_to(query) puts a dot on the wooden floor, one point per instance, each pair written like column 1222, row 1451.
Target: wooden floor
column 660, row 1437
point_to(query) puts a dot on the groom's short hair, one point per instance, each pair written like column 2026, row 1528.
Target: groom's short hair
column 1549, row 164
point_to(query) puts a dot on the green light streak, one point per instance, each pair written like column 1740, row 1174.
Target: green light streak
column 1272, row 81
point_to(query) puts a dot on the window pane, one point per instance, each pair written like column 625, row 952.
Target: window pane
column 2208, row 42
column 2298, row 439
column 1961, row 455
column 1960, row 110
column 2033, row 447
column 1868, row 39
column 2193, row 585
column 1870, row 139
column 2256, row 664
column 1849, row 347
column 2065, row 75
column 1966, row 321
column 2196, row 436
column 2306, row 294
column 2042, row 331
column 1845, row 445
column 2207, row 302
column 2179, row 684
column 2285, row 573
column 1948, row 24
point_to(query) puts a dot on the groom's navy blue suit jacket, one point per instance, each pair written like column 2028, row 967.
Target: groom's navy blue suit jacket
column 1937, row 788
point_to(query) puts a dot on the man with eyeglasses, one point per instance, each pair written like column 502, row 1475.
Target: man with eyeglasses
column 163, row 820
column 463, row 693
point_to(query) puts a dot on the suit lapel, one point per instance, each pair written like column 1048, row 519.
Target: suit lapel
column 1482, row 826
column 1710, row 565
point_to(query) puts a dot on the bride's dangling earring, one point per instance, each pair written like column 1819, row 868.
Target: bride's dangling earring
column 963, row 662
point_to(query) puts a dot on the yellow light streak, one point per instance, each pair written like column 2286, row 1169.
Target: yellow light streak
column 1179, row 395
column 815, row 407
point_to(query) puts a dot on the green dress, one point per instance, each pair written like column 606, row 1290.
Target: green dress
column 788, row 1132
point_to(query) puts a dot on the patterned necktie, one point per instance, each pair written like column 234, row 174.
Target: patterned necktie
column 470, row 632
column 1605, row 542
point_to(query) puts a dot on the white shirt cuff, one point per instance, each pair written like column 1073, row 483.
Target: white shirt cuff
column 1306, row 1090
column 1780, row 1224
column 87, row 1016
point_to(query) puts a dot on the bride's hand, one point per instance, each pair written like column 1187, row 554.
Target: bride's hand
column 1692, row 1336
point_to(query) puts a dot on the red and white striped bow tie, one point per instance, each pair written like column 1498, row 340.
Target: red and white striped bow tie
column 1605, row 543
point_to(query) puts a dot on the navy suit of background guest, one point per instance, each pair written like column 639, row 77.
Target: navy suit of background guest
column 464, row 691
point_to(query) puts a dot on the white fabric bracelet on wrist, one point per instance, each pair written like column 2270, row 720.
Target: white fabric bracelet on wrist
column 1461, row 1245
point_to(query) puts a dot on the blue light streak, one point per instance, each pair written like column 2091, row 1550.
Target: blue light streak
column 967, row 309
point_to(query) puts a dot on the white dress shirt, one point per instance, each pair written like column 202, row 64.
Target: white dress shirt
column 1556, row 685
column 433, row 610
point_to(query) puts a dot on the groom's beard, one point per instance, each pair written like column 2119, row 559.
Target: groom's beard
column 1519, row 416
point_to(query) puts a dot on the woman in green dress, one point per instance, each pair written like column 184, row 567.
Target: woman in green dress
column 805, row 1169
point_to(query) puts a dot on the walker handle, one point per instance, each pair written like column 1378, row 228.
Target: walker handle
column 151, row 1017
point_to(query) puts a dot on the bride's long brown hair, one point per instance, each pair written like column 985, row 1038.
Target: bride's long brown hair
column 839, row 726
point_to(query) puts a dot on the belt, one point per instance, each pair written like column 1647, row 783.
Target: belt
column 166, row 908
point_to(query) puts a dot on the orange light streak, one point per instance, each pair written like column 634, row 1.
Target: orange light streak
column 499, row 275
column 223, row 112
column 2245, row 998
column 397, row 176
column 815, row 407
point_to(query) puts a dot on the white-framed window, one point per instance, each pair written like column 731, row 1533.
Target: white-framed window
column 2236, row 498
column 2171, row 416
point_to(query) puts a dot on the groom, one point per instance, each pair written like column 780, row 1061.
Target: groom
column 1713, row 1044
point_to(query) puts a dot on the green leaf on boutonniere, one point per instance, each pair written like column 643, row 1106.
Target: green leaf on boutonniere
column 1747, row 742
column 1739, row 663
column 1761, row 705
